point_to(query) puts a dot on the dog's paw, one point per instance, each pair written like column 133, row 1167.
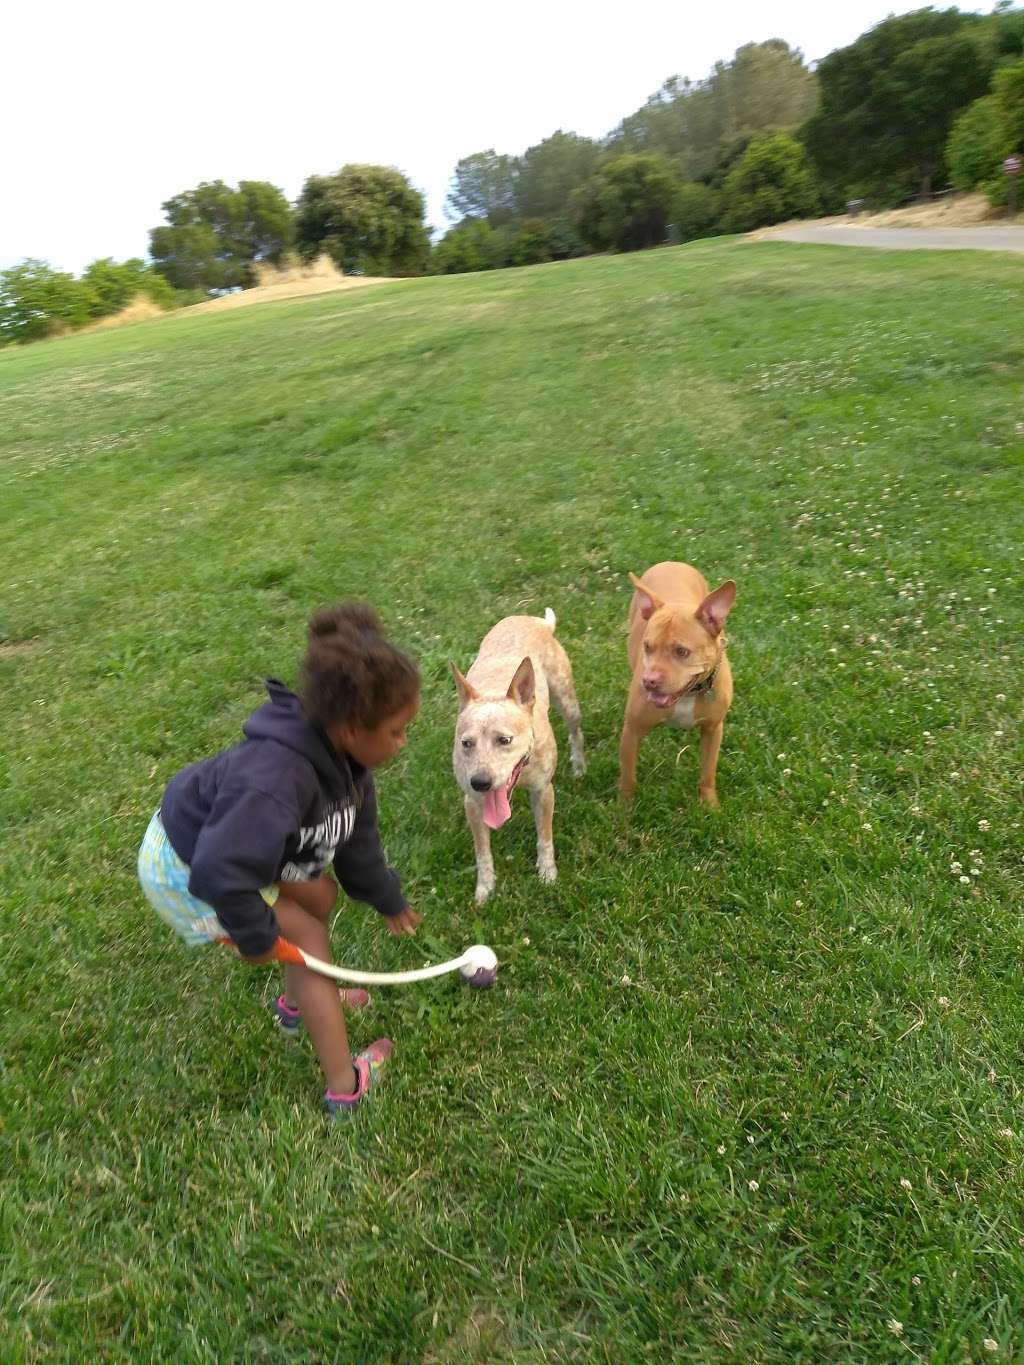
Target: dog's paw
column 484, row 887
column 710, row 799
column 579, row 766
column 546, row 870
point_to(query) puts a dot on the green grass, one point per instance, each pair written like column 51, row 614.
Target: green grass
column 678, row 1129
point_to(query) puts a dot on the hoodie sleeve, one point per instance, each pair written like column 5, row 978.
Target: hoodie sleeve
column 359, row 863
column 238, row 851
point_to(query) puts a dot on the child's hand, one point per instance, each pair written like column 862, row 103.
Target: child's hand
column 405, row 922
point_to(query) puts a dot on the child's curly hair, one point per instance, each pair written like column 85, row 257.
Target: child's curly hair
column 351, row 674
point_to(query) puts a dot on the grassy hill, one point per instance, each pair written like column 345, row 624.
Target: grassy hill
column 749, row 1086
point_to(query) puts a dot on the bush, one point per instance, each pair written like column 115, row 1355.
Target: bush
column 565, row 242
column 1008, row 94
column 972, row 152
column 37, row 301
column 770, row 183
column 116, row 285
column 532, row 242
column 465, row 248
column 696, row 211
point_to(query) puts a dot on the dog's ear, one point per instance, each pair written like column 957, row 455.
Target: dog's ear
column 523, row 687
column 647, row 601
column 467, row 692
column 715, row 608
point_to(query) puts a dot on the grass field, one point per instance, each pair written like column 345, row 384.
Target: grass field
column 749, row 1087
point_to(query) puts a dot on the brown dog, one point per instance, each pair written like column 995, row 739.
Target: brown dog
column 681, row 676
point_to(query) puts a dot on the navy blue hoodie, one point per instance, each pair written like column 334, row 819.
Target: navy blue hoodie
column 279, row 806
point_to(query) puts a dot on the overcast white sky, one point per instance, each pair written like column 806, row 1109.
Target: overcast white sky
column 110, row 107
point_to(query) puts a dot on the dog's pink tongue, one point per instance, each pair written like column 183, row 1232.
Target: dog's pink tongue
column 497, row 808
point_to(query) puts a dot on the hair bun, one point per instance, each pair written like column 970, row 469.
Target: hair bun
column 347, row 618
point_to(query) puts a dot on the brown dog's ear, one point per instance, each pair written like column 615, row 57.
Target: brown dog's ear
column 715, row 608
column 647, row 601
column 523, row 686
column 467, row 692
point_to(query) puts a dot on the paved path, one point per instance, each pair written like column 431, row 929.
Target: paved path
column 906, row 239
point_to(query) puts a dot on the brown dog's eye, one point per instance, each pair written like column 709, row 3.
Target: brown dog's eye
column 504, row 739
column 681, row 652
column 467, row 743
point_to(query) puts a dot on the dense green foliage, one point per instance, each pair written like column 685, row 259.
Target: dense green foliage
column 366, row 218
column 215, row 236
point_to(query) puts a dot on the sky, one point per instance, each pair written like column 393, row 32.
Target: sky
column 108, row 108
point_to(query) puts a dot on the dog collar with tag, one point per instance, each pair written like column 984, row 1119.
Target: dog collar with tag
column 705, row 685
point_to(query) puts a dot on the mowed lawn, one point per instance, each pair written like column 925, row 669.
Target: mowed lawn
column 749, row 1087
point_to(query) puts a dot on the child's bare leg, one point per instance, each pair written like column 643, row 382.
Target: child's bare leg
column 317, row 898
column 317, row 997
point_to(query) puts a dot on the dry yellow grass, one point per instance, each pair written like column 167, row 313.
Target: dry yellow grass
column 291, row 281
column 321, row 276
column 141, row 309
column 956, row 210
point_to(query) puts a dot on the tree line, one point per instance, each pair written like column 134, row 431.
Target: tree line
column 925, row 99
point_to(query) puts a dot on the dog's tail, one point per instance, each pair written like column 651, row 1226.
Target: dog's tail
column 550, row 619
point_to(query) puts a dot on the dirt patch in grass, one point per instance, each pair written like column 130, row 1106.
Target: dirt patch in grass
column 13, row 649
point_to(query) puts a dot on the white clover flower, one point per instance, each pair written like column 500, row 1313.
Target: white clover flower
column 753, row 1186
column 965, row 881
column 990, row 1345
column 905, row 1184
column 984, row 826
column 896, row 1328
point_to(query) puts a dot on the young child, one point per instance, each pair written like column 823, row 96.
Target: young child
column 241, row 842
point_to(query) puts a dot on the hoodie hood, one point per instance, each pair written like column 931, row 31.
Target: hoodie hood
column 283, row 720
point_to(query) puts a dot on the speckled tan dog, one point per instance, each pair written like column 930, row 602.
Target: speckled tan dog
column 680, row 673
column 503, row 735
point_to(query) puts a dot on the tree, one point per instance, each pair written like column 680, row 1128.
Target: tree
column 973, row 150
column 767, row 87
column 37, row 301
column 188, row 258
column 889, row 99
column 546, row 175
column 770, row 183
column 214, row 234
column 628, row 204
column 366, row 218
column 483, row 186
